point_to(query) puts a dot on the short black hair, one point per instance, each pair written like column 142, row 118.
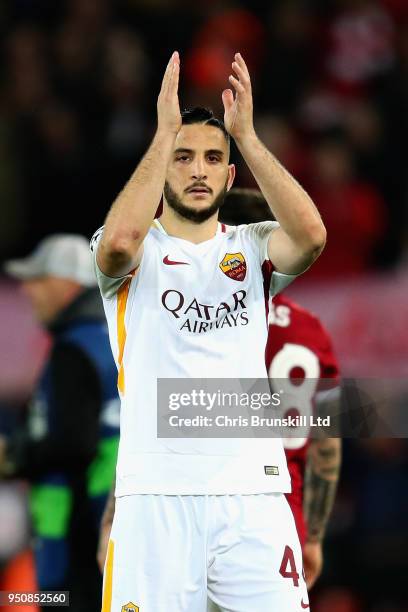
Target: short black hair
column 199, row 114
column 245, row 206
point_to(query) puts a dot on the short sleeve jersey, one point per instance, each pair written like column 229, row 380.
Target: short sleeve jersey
column 192, row 311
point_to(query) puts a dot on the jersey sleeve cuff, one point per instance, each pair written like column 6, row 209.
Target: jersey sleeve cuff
column 108, row 285
column 280, row 281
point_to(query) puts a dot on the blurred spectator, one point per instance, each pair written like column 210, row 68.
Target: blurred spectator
column 289, row 56
column 27, row 70
column 365, row 132
column 360, row 45
column 397, row 8
column 76, row 67
column 76, row 60
column 208, row 63
column 126, row 74
column 353, row 212
column 279, row 135
column 56, row 174
column 68, row 444
column 319, row 107
column 91, row 16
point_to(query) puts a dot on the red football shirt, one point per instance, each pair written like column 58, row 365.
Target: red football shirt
column 298, row 346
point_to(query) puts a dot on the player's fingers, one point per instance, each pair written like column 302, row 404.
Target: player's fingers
column 241, row 62
column 309, row 578
column 313, row 572
column 173, row 82
column 227, row 99
column 242, row 74
column 239, row 88
column 311, row 581
column 164, row 85
column 174, row 78
column 167, row 74
column 101, row 559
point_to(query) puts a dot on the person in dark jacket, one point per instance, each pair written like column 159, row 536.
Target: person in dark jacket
column 67, row 446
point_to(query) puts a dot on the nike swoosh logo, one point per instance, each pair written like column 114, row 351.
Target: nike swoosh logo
column 170, row 262
column 304, row 606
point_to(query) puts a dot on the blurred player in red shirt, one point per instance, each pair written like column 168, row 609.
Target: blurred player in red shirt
column 299, row 347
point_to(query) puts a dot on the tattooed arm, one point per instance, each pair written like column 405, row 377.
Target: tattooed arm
column 105, row 529
column 322, row 473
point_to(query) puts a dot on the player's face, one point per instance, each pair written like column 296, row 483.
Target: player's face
column 199, row 174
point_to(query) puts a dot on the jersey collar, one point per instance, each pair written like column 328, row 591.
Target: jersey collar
column 221, row 227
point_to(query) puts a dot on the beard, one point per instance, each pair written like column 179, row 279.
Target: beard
column 190, row 213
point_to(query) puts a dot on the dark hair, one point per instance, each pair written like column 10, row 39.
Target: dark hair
column 199, row 114
column 245, row 206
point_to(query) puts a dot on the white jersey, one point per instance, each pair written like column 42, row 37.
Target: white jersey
column 192, row 311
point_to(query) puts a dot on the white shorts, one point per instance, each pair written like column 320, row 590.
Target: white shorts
column 167, row 553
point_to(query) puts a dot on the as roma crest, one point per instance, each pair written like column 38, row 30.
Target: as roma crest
column 234, row 266
column 130, row 607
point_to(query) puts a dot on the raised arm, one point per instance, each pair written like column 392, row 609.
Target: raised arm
column 301, row 237
column 133, row 211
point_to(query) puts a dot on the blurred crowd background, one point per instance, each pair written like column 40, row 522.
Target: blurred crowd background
column 78, row 87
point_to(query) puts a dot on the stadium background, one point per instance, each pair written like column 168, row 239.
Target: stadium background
column 79, row 81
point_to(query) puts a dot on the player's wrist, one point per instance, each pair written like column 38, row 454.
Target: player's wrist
column 165, row 132
column 245, row 138
column 163, row 143
column 315, row 540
